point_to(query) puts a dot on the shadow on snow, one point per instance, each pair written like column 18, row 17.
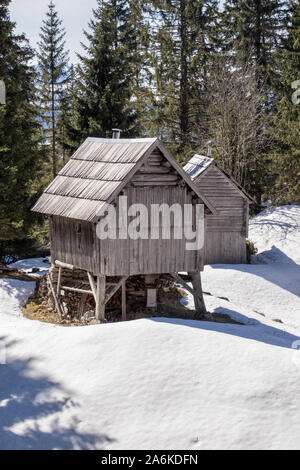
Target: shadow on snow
column 274, row 272
column 31, row 413
column 255, row 331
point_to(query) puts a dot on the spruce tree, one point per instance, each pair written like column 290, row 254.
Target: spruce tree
column 52, row 64
column 66, row 117
column 286, row 133
column 19, row 135
column 184, row 49
column 107, row 73
column 252, row 30
column 139, row 54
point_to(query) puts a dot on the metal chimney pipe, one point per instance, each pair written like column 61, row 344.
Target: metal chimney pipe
column 210, row 144
column 116, row 133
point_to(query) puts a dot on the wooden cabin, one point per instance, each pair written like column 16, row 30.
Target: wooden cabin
column 227, row 229
column 96, row 175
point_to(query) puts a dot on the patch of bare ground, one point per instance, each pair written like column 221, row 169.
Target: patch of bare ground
column 40, row 307
column 36, row 311
column 19, row 276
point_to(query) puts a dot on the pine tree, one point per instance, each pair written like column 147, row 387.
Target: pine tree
column 139, row 52
column 107, row 73
column 286, row 133
column 252, row 30
column 19, row 135
column 66, row 117
column 183, row 51
column 52, row 64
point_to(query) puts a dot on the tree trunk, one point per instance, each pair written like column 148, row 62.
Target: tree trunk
column 54, row 160
column 183, row 105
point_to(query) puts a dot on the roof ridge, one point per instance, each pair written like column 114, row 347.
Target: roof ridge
column 202, row 158
column 121, row 141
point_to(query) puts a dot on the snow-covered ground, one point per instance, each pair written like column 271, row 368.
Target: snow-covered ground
column 38, row 265
column 276, row 234
column 163, row 383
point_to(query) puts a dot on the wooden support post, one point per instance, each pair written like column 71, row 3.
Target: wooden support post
column 115, row 288
column 81, row 305
column 56, row 300
column 124, row 300
column 181, row 281
column 59, row 281
column 93, row 285
column 100, row 298
column 198, row 295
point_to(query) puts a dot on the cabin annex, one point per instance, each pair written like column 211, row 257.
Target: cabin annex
column 226, row 230
column 98, row 173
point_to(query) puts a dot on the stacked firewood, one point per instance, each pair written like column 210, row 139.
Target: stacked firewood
column 68, row 275
column 82, row 306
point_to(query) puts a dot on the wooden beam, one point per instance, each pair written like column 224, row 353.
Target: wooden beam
column 81, row 305
column 154, row 183
column 115, row 289
column 56, row 301
column 59, row 281
column 77, row 289
column 124, row 300
column 183, row 283
column 150, row 170
column 185, row 277
column 155, row 178
column 93, row 285
column 64, row 265
column 100, row 298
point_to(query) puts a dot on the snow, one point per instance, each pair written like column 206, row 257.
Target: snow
column 13, row 294
column 161, row 383
column 276, row 234
column 148, row 384
column 271, row 290
column 27, row 265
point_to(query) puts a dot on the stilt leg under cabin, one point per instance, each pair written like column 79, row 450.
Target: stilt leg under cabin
column 196, row 291
column 100, row 298
column 124, row 300
column 198, row 294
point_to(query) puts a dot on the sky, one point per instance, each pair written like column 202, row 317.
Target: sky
column 28, row 14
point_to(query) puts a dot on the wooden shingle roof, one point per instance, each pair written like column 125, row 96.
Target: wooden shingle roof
column 96, row 173
column 197, row 166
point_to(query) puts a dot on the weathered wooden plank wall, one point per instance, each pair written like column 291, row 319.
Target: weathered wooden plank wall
column 226, row 231
column 225, row 248
column 73, row 242
column 148, row 256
